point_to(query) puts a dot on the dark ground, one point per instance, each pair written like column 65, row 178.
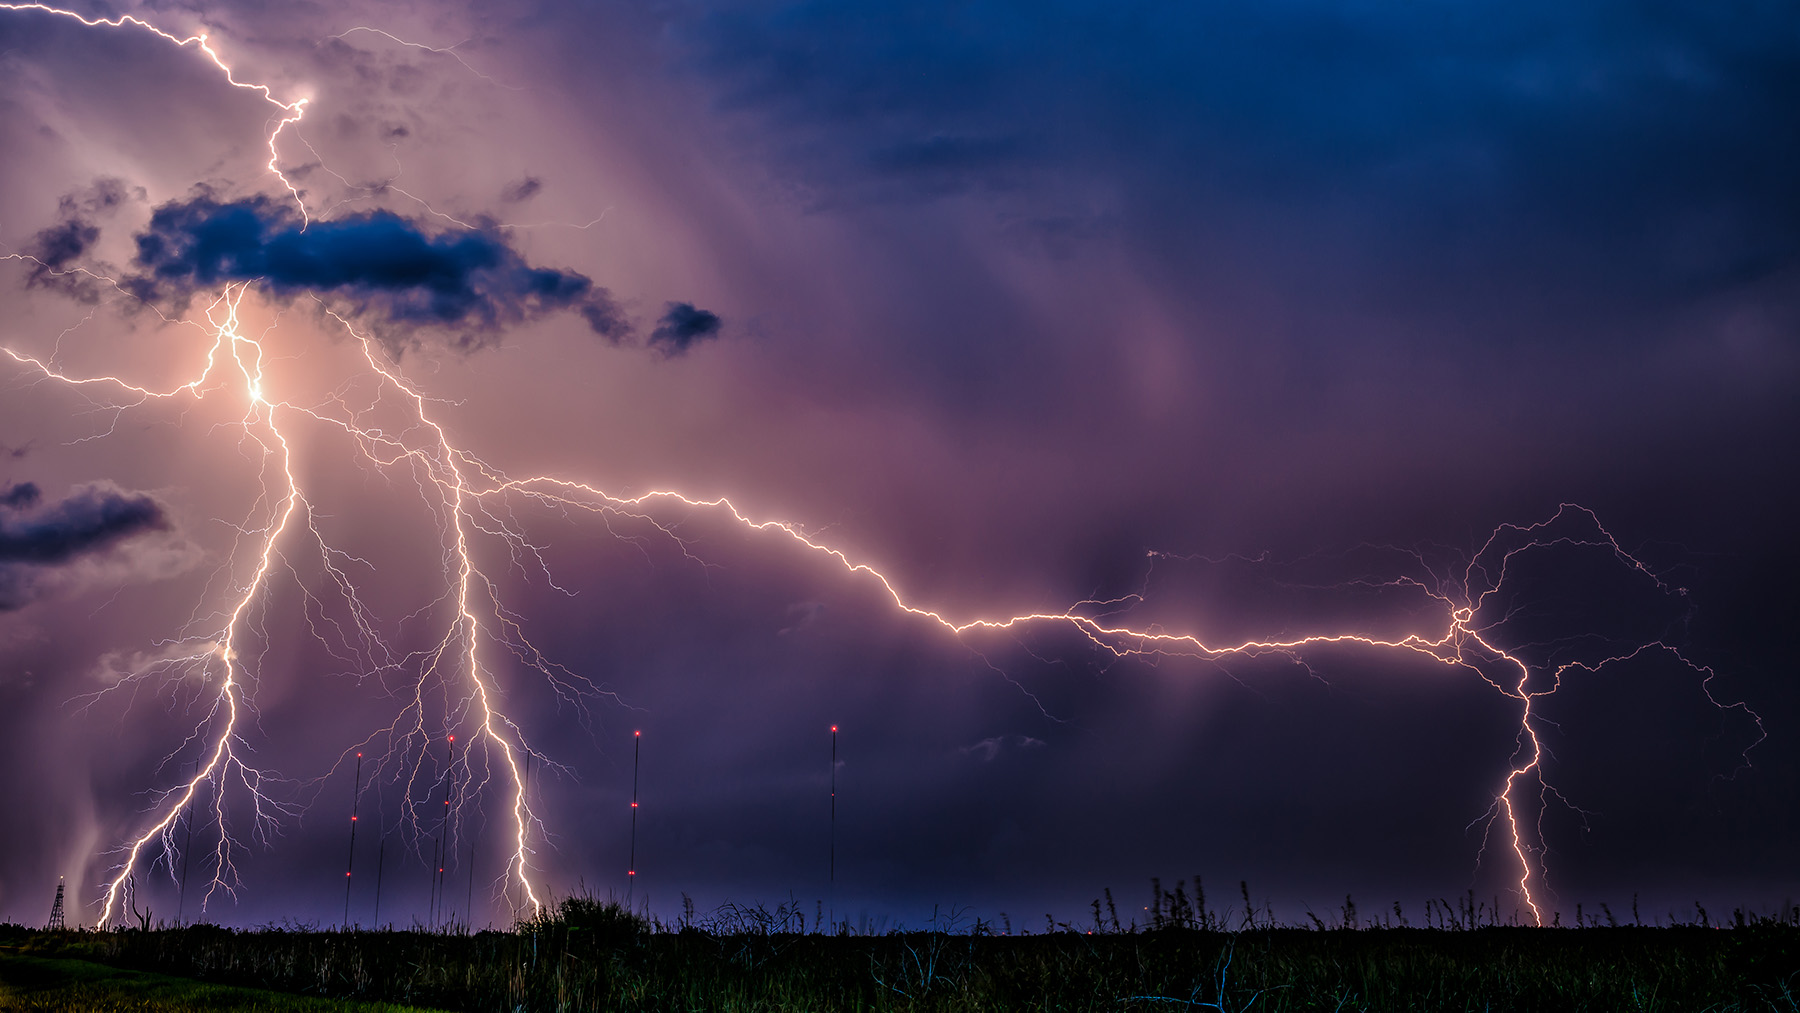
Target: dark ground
column 595, row 956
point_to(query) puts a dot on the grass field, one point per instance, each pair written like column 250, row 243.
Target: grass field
column 594, row 956
column 47, row 983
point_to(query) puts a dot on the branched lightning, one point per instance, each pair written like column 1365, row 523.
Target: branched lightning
column 469, row 497
column 450, row 51
column 288, row 113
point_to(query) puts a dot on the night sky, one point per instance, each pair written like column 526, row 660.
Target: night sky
column 1254, row 320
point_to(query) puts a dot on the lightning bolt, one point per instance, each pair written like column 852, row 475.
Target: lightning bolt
column 468, row 495
column 221, row 653
column 287, row 114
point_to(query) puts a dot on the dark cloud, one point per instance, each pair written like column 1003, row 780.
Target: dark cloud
column 56, row 249
column 523, row 190
column 54, row 252
column 607, row 320
column 57, row 246
column 386, row 268
column 682, row 326
column 1639, row 150
column 89, row 520
column 19, row 497
column 949, row 163
column 103, row 196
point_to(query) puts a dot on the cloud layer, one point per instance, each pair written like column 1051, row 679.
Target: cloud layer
column 88, row 521
column 683, row 326
column 383, row 265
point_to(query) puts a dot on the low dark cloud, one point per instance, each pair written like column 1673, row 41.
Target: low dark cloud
column 19, row 497
column 381, row 267
column 523, row 190
column 607, row 319
column 89, row 520
column 386, row 268
column 54, row 251
column 57, row 249
column 57, row 246
column 682, row 326
column 101, row 197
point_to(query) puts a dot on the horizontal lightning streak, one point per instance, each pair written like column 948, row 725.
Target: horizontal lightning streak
column 1461, row 642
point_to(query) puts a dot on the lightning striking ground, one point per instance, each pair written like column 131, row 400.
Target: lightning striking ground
column 466, row 494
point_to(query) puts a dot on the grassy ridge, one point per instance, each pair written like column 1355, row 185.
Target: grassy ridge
column 597, row 957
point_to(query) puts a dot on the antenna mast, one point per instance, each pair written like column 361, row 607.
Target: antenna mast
column 350, row 863
column 637, row 741
column 56, row 911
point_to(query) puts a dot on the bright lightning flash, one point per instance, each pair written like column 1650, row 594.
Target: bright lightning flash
column 464, row 494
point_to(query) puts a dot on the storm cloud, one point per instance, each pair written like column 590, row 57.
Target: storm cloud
column 384, row 266
column 58, row 245
column 54, row 251
column 523, row 190
column 19, row 497
column 682, row 326
column 89, row 520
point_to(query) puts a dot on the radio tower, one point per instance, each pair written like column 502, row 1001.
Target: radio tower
column 350, row 863
column 56, row 913
column 833, row 867
column 637, row 740
column 832, row 888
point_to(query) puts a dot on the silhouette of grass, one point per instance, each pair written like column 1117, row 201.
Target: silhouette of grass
column 42, row 983
column 596, row 955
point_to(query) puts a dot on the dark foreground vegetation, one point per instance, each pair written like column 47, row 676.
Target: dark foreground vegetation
column 597, row 956
column 41, row 983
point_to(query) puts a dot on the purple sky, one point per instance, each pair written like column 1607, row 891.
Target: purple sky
column 1243, row 308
